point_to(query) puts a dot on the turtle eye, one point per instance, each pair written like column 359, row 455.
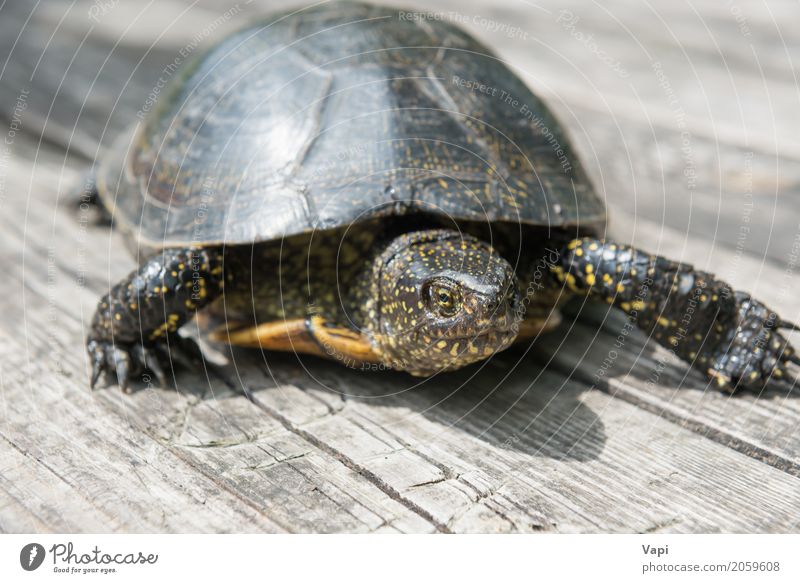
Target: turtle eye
column 444, row 299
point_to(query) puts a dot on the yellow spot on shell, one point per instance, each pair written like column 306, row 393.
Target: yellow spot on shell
column 590, row 279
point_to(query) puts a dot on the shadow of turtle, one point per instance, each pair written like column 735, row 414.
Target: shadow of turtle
column 508, row 401
column 597, row 342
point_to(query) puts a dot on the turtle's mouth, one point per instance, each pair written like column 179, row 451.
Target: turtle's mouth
column 483, row 335
column 506, row 328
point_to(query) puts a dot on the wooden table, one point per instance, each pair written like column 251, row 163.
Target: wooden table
column 687, row 118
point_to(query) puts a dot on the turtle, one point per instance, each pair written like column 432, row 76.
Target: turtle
column 371, row 186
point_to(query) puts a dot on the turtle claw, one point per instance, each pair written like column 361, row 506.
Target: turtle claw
column 122, row 364
column 150, row 359
column 126, row 362
column 98, row 360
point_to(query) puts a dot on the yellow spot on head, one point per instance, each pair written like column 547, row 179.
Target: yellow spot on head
column 571, row 281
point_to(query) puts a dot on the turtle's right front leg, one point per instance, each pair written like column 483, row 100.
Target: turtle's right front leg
column 135, row 319
column 730, row 336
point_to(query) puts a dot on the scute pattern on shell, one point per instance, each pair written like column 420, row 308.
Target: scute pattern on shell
column 330, row 115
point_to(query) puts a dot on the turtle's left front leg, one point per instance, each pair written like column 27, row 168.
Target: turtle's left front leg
column 730, row 336
column 136, row 319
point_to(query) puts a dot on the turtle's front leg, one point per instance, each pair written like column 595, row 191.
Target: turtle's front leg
column 134, row 320
column 730, row 336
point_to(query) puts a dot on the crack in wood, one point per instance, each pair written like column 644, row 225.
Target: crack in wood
column 348, row 462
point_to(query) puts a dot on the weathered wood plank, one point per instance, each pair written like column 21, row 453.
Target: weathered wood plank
column 351, row 451
column 24, row 509
column 738, row 199
column 553, row 455
column 86, row 72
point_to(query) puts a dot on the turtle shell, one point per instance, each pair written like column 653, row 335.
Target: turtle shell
column 322, row 117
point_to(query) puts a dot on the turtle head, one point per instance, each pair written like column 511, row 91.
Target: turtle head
column 441, row 299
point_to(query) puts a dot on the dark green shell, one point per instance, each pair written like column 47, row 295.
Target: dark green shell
column 319, row 118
